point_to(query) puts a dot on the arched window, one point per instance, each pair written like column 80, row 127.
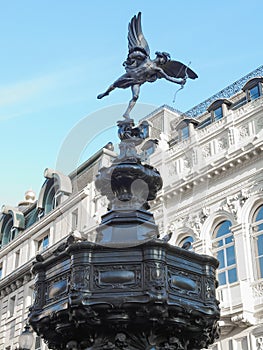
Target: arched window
column 186, row 243
column 224, row 248
column 12, row 221
column 54, row 188
column 258, row 238
column 7, row 228
column 51, row 201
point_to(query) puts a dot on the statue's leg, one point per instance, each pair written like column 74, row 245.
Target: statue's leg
column 111, row 88
column 135, row 95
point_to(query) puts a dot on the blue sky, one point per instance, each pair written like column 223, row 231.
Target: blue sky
column 56, row 56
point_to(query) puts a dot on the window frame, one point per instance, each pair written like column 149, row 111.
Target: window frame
column 40, row 247
column 258, row 273
column 216, row 117
column 221, row 246
column 185, row 239
column 75, row 219
column 250, row 97
column 12, row 303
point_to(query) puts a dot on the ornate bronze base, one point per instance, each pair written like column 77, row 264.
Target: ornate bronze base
column 152, row 295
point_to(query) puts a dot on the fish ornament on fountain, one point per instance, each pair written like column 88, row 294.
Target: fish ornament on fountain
column 128, row 290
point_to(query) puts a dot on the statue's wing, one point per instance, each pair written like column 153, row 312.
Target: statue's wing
column 136, row 38
column 178, row 70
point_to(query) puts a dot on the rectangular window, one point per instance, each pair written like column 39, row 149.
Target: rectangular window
column 259, row 254
column 43, row 243
column 12, row 330
column 17, row 259
column 74, row 219
column 218, row 113
column 11, row 306
column 1, row 271
column 185, row 132
column 242, row 344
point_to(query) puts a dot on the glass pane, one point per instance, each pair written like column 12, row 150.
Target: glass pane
column 260, row 245
column 229, row 239
column 218, row 113
column 260, row 261
column 223, row 228
column 232, row 275
column 186, row 243
column 260, row 227
column 221, row 259
column 254, row 92
column 259, row 214
column 185, row 132
column 230, row 256
column 220, row 243
column 222, row 278
column 45, row 242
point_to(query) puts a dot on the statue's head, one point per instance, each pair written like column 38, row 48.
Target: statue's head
column 162, row 57
column 137, row 53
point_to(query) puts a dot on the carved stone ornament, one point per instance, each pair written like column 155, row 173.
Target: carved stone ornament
column 260, row 343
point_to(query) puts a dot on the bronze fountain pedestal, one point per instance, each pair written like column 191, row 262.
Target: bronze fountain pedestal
column 129, row 289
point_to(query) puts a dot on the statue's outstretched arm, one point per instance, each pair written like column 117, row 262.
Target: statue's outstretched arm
column 180, row 81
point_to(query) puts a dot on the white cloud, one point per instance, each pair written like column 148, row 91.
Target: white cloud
column 24, row 90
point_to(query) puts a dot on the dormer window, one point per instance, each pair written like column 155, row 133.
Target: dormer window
column 253, row 88
column 185, row 128
column 52, row 192
column 12, row 221
column 218, row 109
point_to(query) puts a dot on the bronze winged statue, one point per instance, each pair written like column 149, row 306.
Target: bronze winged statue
column 141, row 69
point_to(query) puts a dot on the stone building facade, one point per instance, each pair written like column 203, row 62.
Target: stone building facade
column 210, row 159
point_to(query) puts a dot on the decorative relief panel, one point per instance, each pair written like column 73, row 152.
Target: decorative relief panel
column 260, row 343
column 222, row 144
column 179, row 146
column 193, row 221
column 172, row 168
column 187, row 163
column 233, row 204
column 184, row 283
column 259, row 124
column 258, row 290
column 210, row 289
column 206, row 150
column 243, row 131
column 57, row 288
column 155, row 275
column 80, row 277
column 117, row 277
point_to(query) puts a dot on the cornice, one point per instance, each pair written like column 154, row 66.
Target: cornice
column 214, row 170
column 44, row 222
column 16, row 279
